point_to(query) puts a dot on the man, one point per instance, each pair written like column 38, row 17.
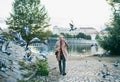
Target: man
column 61, row 49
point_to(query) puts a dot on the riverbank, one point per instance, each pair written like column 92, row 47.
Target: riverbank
column 85, row 69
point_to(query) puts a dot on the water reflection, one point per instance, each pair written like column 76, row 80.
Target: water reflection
column 76, row 47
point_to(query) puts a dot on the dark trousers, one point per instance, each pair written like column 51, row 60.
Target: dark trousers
column 62, row 64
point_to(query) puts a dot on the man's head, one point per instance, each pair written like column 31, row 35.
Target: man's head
column 61, row 37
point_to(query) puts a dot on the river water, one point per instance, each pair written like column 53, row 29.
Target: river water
column 76, row 47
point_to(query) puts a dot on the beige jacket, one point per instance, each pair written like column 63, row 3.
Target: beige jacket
column 64, row 49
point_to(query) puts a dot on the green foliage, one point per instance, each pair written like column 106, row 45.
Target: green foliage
column 111, row 41
column 80, row 35
column 54, row 35
column 84, row 36
column 7, row 35
column 66, row 35
column 29, row 13
column 97, row 37
column 42, row 67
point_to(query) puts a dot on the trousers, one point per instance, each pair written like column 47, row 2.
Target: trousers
column 62, row 64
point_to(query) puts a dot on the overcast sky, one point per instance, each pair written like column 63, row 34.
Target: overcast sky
column 83, row 12
column 93, row 13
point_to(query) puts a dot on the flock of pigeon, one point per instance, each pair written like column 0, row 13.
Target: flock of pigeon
column 105, row 72
column 19, row 40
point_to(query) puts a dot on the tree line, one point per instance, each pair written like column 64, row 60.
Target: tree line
column 78, row 36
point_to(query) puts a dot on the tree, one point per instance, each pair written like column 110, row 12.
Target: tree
column 66, row 35
column 111, row 41
column 30, row 14
column 97, row 37
column 84, row 36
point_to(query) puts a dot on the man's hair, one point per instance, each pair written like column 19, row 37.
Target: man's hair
column 61, row 36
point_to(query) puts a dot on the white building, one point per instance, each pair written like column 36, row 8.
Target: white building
column 86, row 30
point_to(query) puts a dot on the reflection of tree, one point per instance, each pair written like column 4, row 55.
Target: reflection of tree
column 78, row 48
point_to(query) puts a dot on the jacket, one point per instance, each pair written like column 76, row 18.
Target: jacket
column 64, row 49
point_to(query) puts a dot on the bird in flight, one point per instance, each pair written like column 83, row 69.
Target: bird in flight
column 72, row 27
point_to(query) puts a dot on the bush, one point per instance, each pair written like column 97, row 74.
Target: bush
column 42, row 67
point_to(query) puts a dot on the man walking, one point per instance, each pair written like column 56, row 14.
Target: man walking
column 61, row 55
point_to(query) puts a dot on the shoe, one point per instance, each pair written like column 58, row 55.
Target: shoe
column 60, row 73
column 64, row 74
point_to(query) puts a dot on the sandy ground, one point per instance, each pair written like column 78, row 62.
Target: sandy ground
column 85, row 69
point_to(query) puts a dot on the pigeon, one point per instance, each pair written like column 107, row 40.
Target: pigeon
column 72, row 28
column 43, row 55
column 5, row 46
column 107, row 53
column 2, row 39
column 105, row 73
column 99, row 60
column 35, row 40
column 22, row 43
column 116, row 63
column 28, row 57
column 2, row 66
column 16, row 35
column 46, row 42
column 27, row 30
column 104, row 65
column 19, row 38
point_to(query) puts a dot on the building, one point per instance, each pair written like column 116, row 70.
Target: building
column 86, row 30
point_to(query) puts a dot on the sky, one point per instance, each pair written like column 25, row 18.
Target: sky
column 83, row 13
column 91, row 13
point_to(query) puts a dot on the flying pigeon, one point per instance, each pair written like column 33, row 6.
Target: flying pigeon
column 46, row 42
column 27, row 30
column 72, row 28
column 35, row 40
column 5, row 46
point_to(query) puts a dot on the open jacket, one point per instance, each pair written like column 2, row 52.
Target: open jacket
column 64, row 49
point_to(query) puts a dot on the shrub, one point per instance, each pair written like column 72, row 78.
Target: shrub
column 42, row 67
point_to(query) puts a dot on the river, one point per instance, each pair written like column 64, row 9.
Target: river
column 76, row 47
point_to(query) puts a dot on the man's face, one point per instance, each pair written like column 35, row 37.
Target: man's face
column 61, row 38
